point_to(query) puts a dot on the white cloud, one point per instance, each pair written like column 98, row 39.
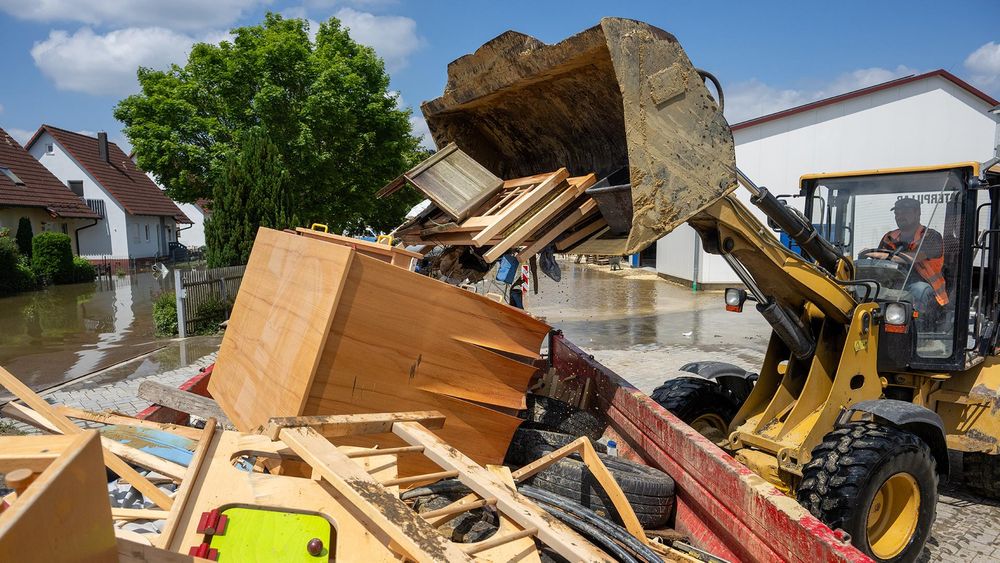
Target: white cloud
column 106, row 64
column 418, row 125
column 394, row 38
column 984, row 64
column 753, row 98
column 175, row 14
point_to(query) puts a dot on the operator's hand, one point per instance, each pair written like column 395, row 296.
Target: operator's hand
column 877, row 255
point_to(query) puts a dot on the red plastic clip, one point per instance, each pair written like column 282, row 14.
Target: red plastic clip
column 212, row 523
column 204, row 551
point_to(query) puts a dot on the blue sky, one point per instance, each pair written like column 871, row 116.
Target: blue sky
column 67, row 62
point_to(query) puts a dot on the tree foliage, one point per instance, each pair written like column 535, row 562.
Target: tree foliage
column 24, row 236
column 253, row 193
column 52, row 257
column 324, row 103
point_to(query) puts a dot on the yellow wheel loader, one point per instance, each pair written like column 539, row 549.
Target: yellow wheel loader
column 883, row 354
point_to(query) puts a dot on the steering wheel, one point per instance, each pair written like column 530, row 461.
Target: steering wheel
column 892, row 254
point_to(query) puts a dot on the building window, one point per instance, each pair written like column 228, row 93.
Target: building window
column 65, row 228
column 147, row 233
column 10, row 174
column 50, row 148
column 76, row 186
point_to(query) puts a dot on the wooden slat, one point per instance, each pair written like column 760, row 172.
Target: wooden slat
column 455, row 509
column 581, row 234
column 418, row 540
column 579, row 214
column 523, row 204
column 183, row 401
column 384, row 451
column 498, row 540
column 184, row 491
column 64, row 425
column 429, row 477
column 122, row 420
column 138, row 514
column 335, row 425
column 556, row 535
column 546, row 213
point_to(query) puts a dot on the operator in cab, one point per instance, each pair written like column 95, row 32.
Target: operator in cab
column 913, row 243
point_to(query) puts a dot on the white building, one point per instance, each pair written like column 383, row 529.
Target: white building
column 926, row 119
column 193, row 235
column 138, row 220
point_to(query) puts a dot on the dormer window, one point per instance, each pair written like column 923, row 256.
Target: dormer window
column 10, row 174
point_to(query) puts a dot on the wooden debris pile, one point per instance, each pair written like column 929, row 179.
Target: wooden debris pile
column 472, row 208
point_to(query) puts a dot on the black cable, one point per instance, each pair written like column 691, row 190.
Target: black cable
column 585, row 528
column 614, row 530
column 441, row 487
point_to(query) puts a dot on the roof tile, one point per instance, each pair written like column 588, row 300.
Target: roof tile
column 41, row 189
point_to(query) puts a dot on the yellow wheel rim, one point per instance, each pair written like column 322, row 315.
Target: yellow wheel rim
column 711, row 426
column 893, row 515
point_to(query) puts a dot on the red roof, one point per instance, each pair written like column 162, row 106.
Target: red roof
column 40, row 189
column 135, row 191
column 869, row 90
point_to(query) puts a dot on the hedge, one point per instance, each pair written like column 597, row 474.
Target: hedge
column 83, row 271
column 165, row 314
column 9, row 272
column 52, row 257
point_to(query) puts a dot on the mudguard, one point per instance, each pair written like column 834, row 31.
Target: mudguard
column 923, row 422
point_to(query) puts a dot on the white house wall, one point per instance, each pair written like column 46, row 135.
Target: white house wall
column 931, row 121
column 106, row 239
column 192, row 236
column 41, row 221
column 145, row 237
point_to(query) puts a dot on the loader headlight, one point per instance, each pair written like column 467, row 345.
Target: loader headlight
column 895, row 314
column 735, row 299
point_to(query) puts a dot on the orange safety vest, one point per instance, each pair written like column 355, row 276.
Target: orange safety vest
column 930, row 268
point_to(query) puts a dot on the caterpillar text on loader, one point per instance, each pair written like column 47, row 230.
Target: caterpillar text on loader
column 883, row 354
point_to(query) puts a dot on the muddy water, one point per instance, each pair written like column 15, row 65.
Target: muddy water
column 607, row 310
column 67, row 331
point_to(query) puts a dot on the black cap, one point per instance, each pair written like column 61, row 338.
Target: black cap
column 906, row 203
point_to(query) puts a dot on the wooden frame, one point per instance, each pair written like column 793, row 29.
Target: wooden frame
column 63, row 511
column 395, row 255
column 520, row 206
column 578, row 215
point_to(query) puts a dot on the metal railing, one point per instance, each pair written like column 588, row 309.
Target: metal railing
column 196, row 288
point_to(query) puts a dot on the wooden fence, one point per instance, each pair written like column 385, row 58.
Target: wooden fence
column 195, row 288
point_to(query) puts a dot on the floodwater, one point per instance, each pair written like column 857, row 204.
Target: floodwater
column 67, row 331
column 609, row 310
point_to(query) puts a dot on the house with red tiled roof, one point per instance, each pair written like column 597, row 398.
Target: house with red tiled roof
column 193, row 235
column 28, row 189
column 139, row 220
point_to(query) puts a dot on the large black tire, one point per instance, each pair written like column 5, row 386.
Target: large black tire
column 864, row 466
column 982, row 474
column 648, row 490
column 545, row 413
column 702, row 403
column 529, row 444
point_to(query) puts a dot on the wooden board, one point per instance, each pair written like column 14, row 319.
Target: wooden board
column 183, row 401
column 396, row 341
column 521, row 206
column 580, row 234
column 278, row 327
column 65, row 511
column 395, row 255
column 582, row 213
column 539, row 218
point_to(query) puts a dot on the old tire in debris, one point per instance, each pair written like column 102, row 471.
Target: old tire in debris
column 551, row 414
column 529, row 444
column 701, row 403
column 648, row 490
column 982, row 473
column 876, row 482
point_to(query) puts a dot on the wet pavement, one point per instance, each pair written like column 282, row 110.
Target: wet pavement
column 644, row 328
column 68, row 331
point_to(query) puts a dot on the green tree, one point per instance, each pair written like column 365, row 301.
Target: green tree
column 52, row 257
column 23, row 236
column 324, row 104
column 253, row 193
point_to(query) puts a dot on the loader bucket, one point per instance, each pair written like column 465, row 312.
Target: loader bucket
column 620, row 94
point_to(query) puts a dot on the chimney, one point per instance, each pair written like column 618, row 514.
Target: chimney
column 102, row 146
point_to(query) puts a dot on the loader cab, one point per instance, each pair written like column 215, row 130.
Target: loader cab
column 925, row 246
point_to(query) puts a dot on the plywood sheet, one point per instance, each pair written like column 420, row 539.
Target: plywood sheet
column 278, row 327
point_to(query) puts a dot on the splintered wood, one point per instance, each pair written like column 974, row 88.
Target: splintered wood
column 526, row 213
column 319, row 329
